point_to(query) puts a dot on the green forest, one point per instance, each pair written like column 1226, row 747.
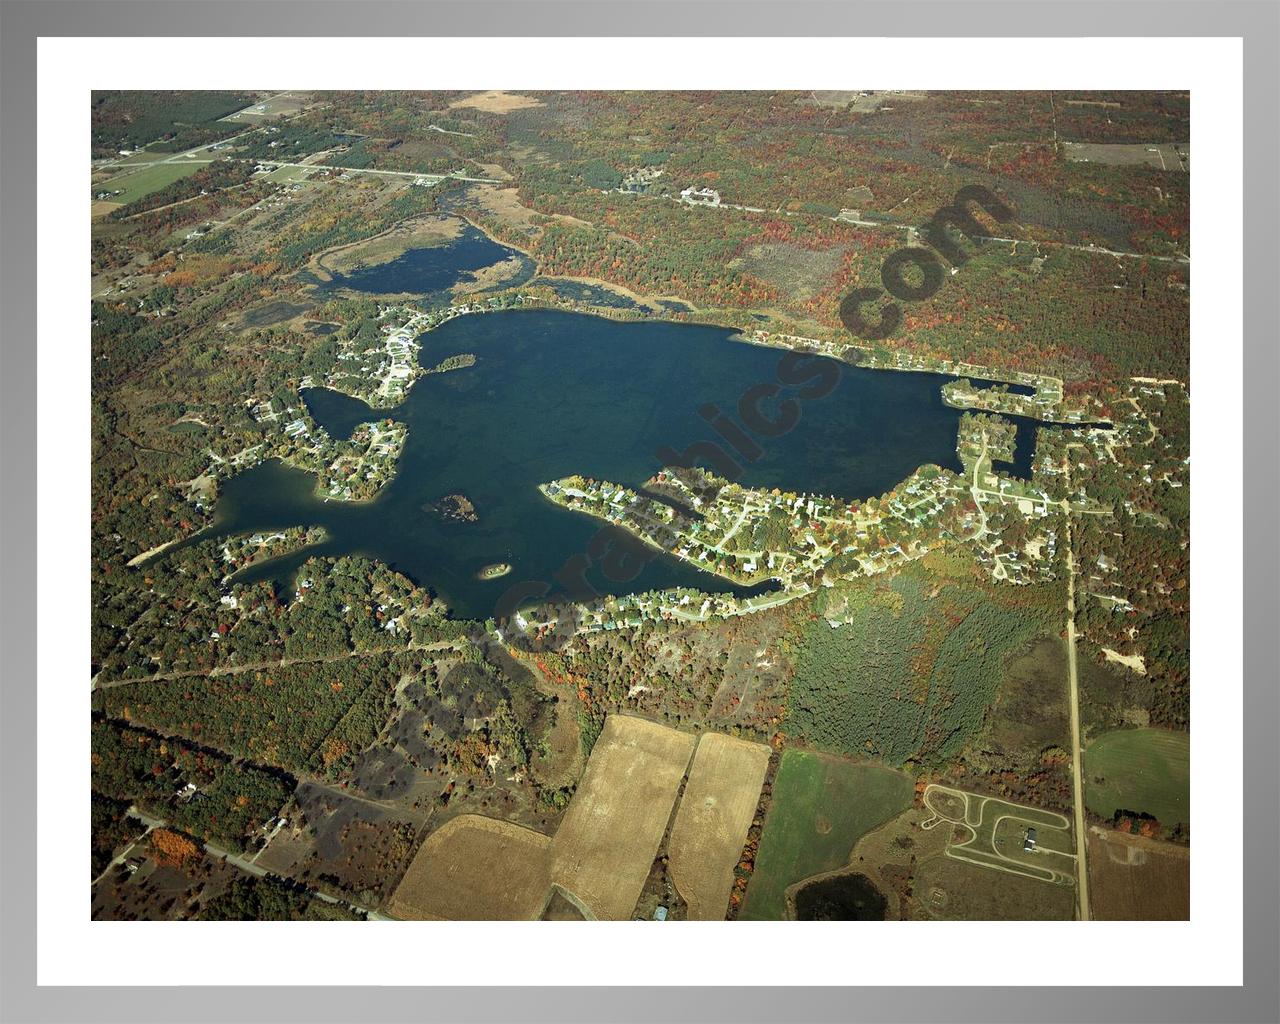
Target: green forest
column 910, row 676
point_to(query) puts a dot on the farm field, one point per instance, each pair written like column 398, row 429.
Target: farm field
column 496, row 101
column 946, row 889
column 1146, row 771
column 1132, row 878
column 136, row 184
column 596, row 865
column 821, row 806
column 475, row 869
column 610, row 835
column 712, row 821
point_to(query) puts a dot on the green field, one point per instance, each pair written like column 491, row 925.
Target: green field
column 137, row 184
column 288, row 174
column 1147, row 771
column 821, row 806
column 141, row 156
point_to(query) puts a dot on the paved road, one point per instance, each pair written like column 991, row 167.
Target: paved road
column 436, row 178
column 912, row 229
column 250, row 666
column 1077, row 750
column 183, row 159
column 976, row 490
column 248, row 866
column 127, row 851
column 1097, row 250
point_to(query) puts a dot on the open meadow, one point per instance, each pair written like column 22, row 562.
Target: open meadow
column 133, row 185
column 1143, row 771
column 947, row 889
column 821, row 806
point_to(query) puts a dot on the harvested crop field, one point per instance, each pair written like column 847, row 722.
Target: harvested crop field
column 475, row 869
column 495, row 101
column 1132, row 878
column 610, row 835
column 711, row 824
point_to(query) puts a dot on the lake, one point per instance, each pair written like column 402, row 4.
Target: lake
column 841, row 898
column 433, row 270
column 554, row 393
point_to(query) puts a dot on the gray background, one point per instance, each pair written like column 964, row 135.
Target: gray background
column 1257, row 22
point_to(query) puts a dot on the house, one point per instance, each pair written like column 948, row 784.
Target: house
column 1029, row 842
column 704, row 196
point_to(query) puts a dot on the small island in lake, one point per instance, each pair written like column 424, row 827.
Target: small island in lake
column 492, row 572
column 458, row 362
column 455, row 508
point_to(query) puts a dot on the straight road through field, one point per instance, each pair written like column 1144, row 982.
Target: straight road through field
column 252, row 666
column 1077, row 751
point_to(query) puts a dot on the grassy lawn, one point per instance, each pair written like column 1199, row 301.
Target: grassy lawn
column 141, row 156
column 287, row 174
column 1141, row 770
column 137, row 184
column 821, row 806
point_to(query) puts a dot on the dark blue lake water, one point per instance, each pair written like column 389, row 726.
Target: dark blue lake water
column 554, row 393
column 435, row 269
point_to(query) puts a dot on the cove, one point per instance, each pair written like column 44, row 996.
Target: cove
column 433, row 270
column 554, row 393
